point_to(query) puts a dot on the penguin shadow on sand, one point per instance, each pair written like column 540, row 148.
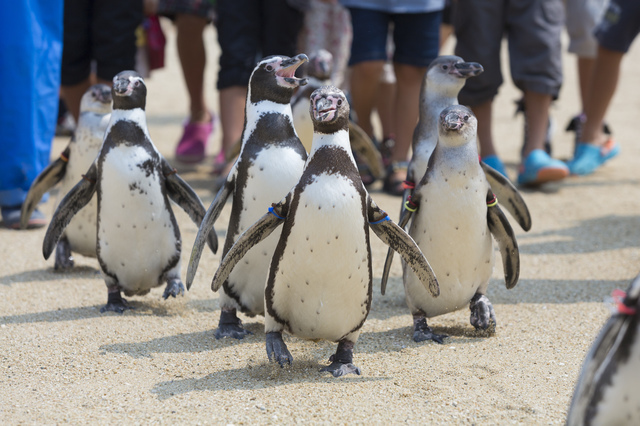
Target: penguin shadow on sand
column 49, row 274
column 611, row 232
column 261, row 375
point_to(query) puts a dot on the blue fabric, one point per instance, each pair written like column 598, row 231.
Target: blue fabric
column 30, row 57
column 416, row 36
column 396, row 6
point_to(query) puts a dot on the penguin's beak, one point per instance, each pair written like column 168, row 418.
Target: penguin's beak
column 103, row 95
column 121, row 87
column 287, row 70
column 324, row 110
column 452, row 121
column 467, row 69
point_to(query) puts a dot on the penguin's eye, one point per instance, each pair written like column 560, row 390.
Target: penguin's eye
column 339, row 102
column 445, row 67
column 137, row 83
column 269, row 68
column 466, row 118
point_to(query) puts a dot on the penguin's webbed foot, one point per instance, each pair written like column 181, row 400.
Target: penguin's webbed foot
column 174, row 288
column 482, row 314
column 338, row 369
column 64, row 259
column 342, row 360
column 115, row 303
column 277, row 350
column 422, row 332
column 230, row 326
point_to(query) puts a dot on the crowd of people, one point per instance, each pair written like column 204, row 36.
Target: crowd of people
column 381, row 51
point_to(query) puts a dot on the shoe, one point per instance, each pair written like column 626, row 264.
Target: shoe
column 494, row 162
column 219, row 164
column 191, row 147
column 11, row 218
column 520, row 108
column 396, row 175
column 589, row 157
column 539, row 168
column 575, row 125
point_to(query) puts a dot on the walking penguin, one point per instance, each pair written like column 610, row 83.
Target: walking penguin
column 319, row 284
column 270, row 163
column 454, row 216
column 138, row 240
column 80, row 234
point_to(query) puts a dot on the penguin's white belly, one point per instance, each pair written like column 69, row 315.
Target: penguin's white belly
column 274, row 172
column 451, row 230
column 322, row 283
column 302, row 123
column 136, row 234
column 620, row 403
column 81, row 231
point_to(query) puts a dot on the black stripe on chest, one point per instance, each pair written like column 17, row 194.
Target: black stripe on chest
column 328, row 160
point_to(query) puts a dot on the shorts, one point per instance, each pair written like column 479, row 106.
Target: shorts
column 249, row 30
column 100, row 30
column 201, row 8
column 416, row 36
column 582, row 18
column 533, row 29
column 619, row 26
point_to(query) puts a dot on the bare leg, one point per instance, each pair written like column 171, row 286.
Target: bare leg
column 409, row 79
column 365, row 76
column 585, row 71
column 386, row 92
column 484, row 113
column 193, row 61
column 537, row 113
column 603, row 85
column 232, row 100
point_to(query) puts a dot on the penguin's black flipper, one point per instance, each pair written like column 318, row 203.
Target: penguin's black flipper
column 249, row 238
column 503, row 234
column 206, row 226
column 405, row 216
column 395, row 237
column 508, row 195
column 71, row 204
column 183, row 195
column 364, row 146
column 50, row 176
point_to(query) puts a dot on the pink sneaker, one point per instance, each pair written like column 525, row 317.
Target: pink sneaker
column 192, row 145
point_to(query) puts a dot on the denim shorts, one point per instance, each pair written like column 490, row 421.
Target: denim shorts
column 416, row 36
column 619, row 26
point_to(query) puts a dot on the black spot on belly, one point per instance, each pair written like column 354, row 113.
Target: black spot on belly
column 118, row 225
column 302, row 300
column 307, row 282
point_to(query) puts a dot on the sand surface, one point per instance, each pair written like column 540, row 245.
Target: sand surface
column 62, row 361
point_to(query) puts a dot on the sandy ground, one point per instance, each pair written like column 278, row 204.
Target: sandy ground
column 64, row 362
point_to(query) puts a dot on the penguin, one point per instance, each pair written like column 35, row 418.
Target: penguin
column 607, row 389
column 319, row 70
column 270, row 163
column 79, row 236
column 319, row 285
column 454, row 215
column 444, row 78
column 138, row 240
